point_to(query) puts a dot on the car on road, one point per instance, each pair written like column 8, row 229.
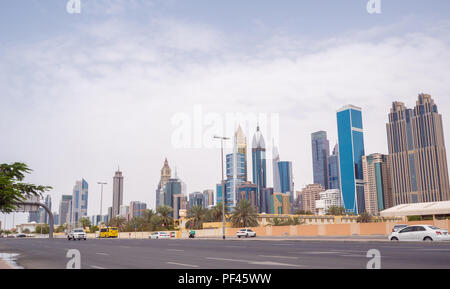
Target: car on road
column 77, row 234
column 398, row 227
column 20, row 235
column 246, row 233
column 420, row 233
column 159, row 235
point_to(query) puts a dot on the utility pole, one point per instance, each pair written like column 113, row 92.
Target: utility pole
column 222, row 138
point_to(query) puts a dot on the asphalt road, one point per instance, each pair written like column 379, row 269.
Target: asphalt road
column 230, row 254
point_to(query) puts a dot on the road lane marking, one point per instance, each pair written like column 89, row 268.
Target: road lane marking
column 175, row 250
column 96, row 267
column 104, row 254
column 181, row 264
column 274, row 256
column 250, row 262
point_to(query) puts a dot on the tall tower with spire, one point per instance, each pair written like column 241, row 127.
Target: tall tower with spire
column 166, row 174
column 241, row 143
column 117, row 192
column 259, row 164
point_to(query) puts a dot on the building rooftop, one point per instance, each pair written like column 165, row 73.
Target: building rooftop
column 418, row 209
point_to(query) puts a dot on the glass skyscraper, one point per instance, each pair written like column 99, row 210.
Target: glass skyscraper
column 351, row 151
column 286, row 179
column 259, row 163
column 79, row 201
column 320, row 153
column 333, row 170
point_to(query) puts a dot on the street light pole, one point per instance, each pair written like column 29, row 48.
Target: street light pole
column 101, row 200
column 222, row 138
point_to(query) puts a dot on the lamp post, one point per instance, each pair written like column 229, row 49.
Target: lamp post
column 101, row 200
column 222, row 138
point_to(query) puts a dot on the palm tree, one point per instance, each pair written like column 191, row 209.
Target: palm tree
column 165, row 213
column 244, row 215
column 364, row 218
column 336, row 211
column 119, row 222
column 196, row 214
column 84, row 222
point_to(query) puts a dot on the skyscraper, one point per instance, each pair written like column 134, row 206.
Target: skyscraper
column 172, row 188
column 195, row 199
column 241, row 143
column 137, row 209
column 333, row 170
column 79, row 201
column 276, row 169
column 166, row 174
column 417, row 153
column 65, row 206
column 377, row 183
column 259, row 163
column 320, row 153
column 208, row 198
column 235, row 170
column 117, row 193
column 351, row 151
column 44, row 218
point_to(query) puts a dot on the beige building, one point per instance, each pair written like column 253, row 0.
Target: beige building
column 166, row 174
column 417, row 153
column 377, row 183
column 241, row 141
column 309, row 195
column 281, row 203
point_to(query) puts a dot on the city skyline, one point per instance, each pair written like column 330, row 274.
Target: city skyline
column 74, row 113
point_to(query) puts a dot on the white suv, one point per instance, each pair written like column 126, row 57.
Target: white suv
column 245, row 233
column 77, row 234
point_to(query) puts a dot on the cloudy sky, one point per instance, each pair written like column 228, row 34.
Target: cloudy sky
column 81, row 94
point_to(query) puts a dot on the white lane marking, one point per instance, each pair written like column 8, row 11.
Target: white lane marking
column 185, row 265
column 175, row 250
column 268, row 263
column 104, row 254
column 96, row 267
column 274, row 256
column 432, row 249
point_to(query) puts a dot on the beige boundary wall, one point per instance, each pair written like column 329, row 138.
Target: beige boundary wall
column 352, row 229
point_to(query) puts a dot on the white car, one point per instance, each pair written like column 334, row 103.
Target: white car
column 77, row 234
column 245, row 233
column 420, row 233
column 159, row 235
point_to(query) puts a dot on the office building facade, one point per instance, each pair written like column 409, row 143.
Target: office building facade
column 79, row 201
column 320, row 154
column 117, row 192
column 417, row 153
column 333, row 170
column 259, row 162
column 351, row 151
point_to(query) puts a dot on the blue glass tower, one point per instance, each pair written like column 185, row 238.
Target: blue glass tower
column 236, row 173
column 351, row 151
column 320, row 154
column 259, row 164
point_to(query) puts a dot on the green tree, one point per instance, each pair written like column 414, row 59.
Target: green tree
column 13, row 190
column 42, row 228
column 302, row 212
column 244, row 215
column 196, row 214
column 84, row 222
column 118, row 222
column 164, row 212
column 215, row 213
column 26, row 231
column 336, row 211
column 364, row 218
column 60, row 229
column 93, row 229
